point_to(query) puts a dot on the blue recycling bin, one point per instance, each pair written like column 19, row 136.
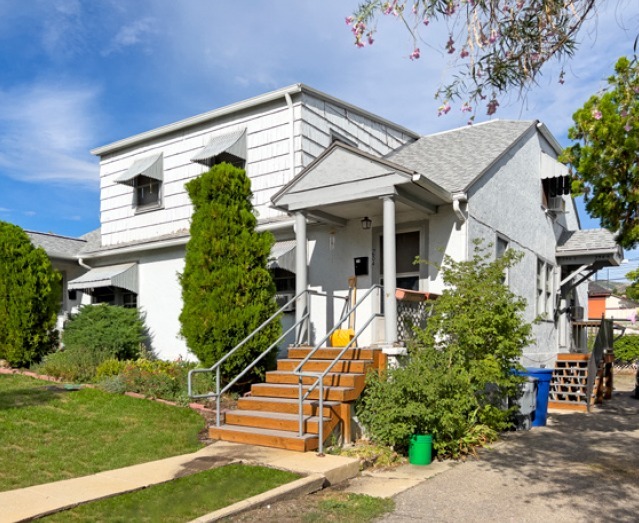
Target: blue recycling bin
column 543, row 390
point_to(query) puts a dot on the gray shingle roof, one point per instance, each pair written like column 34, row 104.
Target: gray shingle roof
column 455, row 159
column 56, row 246
column 595, row 240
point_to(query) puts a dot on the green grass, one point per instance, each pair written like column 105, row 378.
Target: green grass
column 349, row 508
column 48, row 434
column 182, row 499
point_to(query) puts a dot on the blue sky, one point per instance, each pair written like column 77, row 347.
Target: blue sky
column 77, row 74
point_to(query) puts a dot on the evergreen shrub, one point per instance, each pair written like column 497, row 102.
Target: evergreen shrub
column 627, row 349
column 227, row 289
column 30, row 293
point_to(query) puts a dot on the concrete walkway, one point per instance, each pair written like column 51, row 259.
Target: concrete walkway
column 581, row 467
column 26, row 503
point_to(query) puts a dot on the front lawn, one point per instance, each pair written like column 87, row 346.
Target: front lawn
column 48, row 433
column 182, row 499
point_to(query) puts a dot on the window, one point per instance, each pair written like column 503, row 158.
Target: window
column 129, row 300
column 553, row 191
column 545, row 289
column 147, row 192
column 502, row 247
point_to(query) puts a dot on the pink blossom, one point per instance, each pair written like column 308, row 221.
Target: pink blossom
column 492, row 107
column 627, row 127
column 415, row 54
column 450, row 9
column 426, row 20
column 349, row 20
column 414, row 9
column 370, row 39
column 561, row 77
column 450, row 45
column 464, row 53
column 466, row 108
column 494, row 36
column 596, row 114
column 443, row 109
column 623, row 113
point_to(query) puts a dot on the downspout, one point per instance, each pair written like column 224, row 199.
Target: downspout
column 458, row 199
column 82, row 264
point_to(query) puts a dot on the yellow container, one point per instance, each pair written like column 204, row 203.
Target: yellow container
column 341, row 337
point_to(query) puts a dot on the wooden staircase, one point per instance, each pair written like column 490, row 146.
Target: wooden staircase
column 269, row 416
column 569, row 383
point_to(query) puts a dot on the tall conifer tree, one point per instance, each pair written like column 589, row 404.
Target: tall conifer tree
column 227, row 289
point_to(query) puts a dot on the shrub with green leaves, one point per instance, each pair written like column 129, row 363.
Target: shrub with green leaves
column 75, row 364
column 30, row 293
column 227, row 289
column 460, row 368
column 117, row 331
column 627, row 349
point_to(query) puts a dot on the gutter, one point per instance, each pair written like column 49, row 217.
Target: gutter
column 458, row 199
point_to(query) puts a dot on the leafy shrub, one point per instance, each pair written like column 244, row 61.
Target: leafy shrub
column 73, row 364
column 113, row 385
column 459, row 371
column 109, row 368
column 30, row 291
column 627, row 348
column 116, row 330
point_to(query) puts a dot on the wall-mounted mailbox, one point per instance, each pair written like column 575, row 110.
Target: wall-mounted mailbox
column 361, row 266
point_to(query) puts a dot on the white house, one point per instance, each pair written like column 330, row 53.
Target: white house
column 321, row 169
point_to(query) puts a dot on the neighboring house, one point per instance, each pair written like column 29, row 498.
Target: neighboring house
column 602, row 302
column 63, row 253
column 346, row 192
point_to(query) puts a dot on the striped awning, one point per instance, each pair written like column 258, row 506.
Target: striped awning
column 233, row 144
column 124, row 276
column 151, row 167
column 282, row 256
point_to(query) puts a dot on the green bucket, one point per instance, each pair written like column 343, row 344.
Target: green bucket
column 420, row 449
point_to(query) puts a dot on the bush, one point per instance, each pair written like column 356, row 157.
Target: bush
column 109, row 368
column 73, row 364
column 627, row 349
column 227, row 289
column 106, row 328
column 459, row 371
column 30, row 291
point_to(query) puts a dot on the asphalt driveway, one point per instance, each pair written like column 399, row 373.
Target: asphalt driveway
column 581, row 467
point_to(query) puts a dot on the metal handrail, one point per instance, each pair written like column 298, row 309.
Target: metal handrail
column 319, row 382
column 217, row 366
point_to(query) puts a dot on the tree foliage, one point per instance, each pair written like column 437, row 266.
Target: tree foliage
column 226, row 288
column 604, row 157
column 496, row 45
column 632, row 291
column 460, row 367
column 29, row 298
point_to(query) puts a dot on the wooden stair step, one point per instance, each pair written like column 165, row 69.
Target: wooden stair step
column 568, row 405
column 286, row 405
column 265, row 437
column 331, row 379
column 355, row 366
column 330, row 353
column 277, row 390
column 279, row 421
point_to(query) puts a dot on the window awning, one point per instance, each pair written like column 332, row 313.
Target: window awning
column 231, row 143
column 282, row 256
column 151, row 166
column 124, row 276
column 555, row 177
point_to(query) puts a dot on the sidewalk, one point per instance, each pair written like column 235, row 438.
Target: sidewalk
column 23, row 504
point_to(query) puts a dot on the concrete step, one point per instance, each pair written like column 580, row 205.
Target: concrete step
column 355, row 366
column 265, row 437
column 286, row 405
column 279, row 421
column 331, row 379
column 276, row 390
column 330, row 353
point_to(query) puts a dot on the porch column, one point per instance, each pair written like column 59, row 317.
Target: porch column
column 301, row 274
column 390, row 272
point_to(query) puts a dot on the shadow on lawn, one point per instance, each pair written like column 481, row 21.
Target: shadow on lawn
column 32, row 396
column 589, row 459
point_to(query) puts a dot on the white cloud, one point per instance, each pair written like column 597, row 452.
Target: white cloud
column 135, row 33
column 46, row 132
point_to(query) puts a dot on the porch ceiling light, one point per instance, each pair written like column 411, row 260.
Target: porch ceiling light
column 367, row 223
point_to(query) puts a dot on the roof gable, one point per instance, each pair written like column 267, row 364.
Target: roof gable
column 456, row 159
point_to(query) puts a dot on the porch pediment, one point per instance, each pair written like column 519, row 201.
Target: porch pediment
column 345, row 175
column 596, row 248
